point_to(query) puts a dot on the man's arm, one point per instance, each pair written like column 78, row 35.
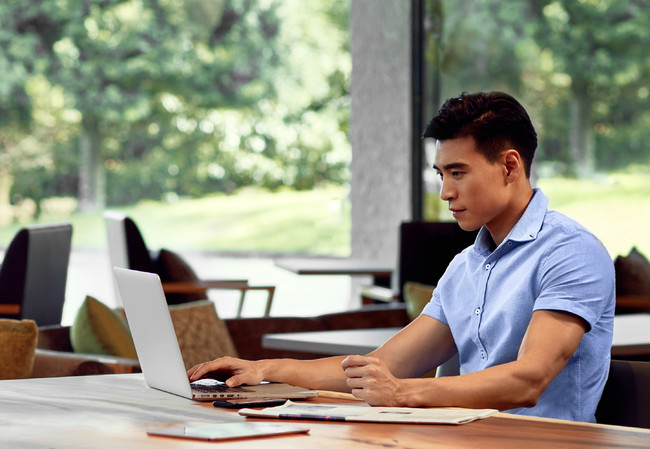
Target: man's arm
column 551, row 339
column 320, row 374
column 415, row 350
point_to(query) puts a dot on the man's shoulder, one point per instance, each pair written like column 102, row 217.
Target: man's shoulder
column 567, row 238
column 565, row 226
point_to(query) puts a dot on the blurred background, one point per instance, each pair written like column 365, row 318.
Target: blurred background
column 223, row 126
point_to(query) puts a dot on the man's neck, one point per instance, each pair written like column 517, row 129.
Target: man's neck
column 517, row 208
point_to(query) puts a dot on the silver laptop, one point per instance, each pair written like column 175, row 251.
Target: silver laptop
column 158, row 351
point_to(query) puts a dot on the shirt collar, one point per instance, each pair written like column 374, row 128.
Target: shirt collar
column 525, row 229
column 531, row 221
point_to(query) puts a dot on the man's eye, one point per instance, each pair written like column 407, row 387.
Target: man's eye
column 456, row 174
column 439, row 174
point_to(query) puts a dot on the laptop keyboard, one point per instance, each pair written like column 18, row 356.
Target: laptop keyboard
column 213, row 386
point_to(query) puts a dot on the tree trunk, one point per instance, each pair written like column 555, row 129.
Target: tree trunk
column 92, row 178
column 581, row 136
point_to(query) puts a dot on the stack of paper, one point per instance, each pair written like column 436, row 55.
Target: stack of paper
column 359, row 413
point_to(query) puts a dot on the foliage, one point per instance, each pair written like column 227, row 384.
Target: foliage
column 120, row 100
column 581, row 68
column 186, row 97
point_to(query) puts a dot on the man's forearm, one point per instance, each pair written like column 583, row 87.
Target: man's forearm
column 320, row 374
column 496, row 387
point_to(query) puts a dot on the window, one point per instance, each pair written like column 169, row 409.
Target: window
column 226, row 119
column 580, row 69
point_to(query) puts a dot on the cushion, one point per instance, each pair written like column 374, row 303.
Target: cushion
column 632, row 274
column 416, row 296
column 137, row 251
column 97, row 329
column 172, row 268
column 201, row 334
column 17, row 346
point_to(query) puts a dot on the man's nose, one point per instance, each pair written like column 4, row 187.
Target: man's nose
column 446, row 191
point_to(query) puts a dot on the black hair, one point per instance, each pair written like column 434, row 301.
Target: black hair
column 496, row 121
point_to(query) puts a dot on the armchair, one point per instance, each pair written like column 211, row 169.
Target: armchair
column 127, row 249
column 34, row 272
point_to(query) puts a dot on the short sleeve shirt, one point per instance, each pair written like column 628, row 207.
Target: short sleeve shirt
column 547, row 262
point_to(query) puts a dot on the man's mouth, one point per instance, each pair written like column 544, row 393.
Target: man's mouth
column 456, row 212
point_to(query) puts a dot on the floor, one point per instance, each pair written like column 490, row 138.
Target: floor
column 295, row 295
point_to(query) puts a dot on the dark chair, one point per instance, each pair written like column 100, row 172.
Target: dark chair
column 425, row 251
column 427, row 248
column 127, row 249
column 626, row 397
column 34, row 272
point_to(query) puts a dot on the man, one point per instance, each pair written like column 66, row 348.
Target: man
column 529, row 307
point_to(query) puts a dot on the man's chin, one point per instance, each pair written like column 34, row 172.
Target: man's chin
column 467, row 226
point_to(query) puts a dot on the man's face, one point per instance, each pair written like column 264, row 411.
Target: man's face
column 475, row 189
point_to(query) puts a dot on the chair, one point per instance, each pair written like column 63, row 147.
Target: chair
column 425, row 251
column 427, row 248
column 34, row 272
column 127, row 249
column 203, row 335
column 626, row 397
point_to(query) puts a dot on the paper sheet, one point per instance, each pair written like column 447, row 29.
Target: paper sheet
column 365, row 413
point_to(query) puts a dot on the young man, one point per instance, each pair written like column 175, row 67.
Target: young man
column 529, row 307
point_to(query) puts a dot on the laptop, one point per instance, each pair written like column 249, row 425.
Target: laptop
column 160, row 356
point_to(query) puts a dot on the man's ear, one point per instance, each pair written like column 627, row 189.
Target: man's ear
column 513, row 165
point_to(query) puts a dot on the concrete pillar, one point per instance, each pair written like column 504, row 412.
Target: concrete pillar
column 380, row 133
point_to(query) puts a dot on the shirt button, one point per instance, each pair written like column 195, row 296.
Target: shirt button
column 487, row 266
column 477, row 311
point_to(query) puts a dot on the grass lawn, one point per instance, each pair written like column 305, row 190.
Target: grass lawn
column 250, row 221
column 616, row 208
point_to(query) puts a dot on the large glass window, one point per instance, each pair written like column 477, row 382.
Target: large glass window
column 582, row 70
column 216, row 124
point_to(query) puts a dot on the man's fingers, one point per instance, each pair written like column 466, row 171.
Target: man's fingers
column 240, row 379
column 354, row 360
column 195, row 372
column 355, row 371
column 218, row 369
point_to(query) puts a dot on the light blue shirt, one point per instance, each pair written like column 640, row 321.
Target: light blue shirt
column 547, row 262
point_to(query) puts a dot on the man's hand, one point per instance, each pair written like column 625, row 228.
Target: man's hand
column 229, row 369
column 371, row 380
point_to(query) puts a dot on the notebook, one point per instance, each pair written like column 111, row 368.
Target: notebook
column 160, row 355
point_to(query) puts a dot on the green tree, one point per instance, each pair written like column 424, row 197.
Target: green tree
column 290, row 130
column 601, row 46
column 580, row 66
column 117, row 59
column 189, row 96
column 15, row 103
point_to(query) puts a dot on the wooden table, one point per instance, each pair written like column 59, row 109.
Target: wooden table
column 380, row 271
column 115, row 411
column 334, row 342
column 9, row 309
column 631, row 335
